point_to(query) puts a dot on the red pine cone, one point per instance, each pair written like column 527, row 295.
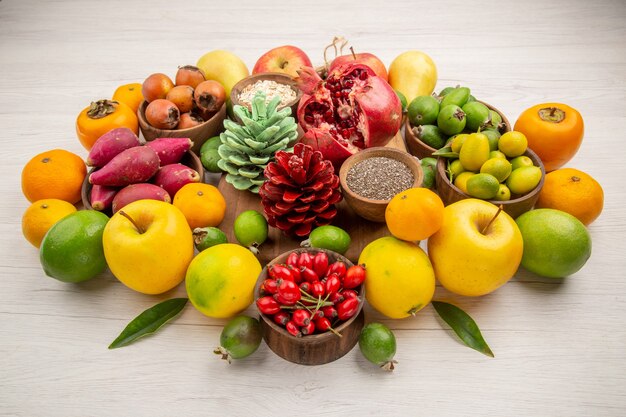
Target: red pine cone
column 300, row 192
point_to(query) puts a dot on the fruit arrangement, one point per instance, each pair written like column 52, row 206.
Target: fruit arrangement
column 166, row 224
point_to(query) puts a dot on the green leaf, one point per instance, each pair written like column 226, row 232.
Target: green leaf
column 149, row 321
column 446, row 153
column 463, row 325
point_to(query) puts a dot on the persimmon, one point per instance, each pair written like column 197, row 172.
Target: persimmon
column 102, row 116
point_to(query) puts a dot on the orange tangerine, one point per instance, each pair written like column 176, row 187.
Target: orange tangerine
column 202, row 204
column 414, row 214
column 40, row 216
column 54, row 174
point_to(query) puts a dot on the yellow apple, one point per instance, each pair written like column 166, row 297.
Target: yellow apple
column 413, row 73
column 224, row 67
column 470, row 258
column 148, row 246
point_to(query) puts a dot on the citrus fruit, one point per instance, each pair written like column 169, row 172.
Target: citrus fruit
column 556, row 244
column 400, row 278
column 503, row 194
column 573, row 192
column 457, row 142
column 205, row 237
column 129, row 94
column 72, row 251
column 211, row 143
column 250, row 229
column 209, row 160
column 460, row 182
column 423, row 110
column 54, row 174
column 512, row 144
column 521, row 161
column 240, row 337
column 484, row 186
column 474, row 152
column 202, row 204
column 455, row 168
column 524, row 179
column 220, row 280
column 497, row 154
column 378, row 344
column 493, row 136
column 41, row 215
column 328, row 237
column 554, row 131
column 498, row 167
column 414, row 214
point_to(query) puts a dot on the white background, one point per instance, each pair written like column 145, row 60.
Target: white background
column 560, row 346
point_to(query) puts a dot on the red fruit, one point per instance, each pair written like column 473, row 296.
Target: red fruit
column 333, row 284
column 267, row 305
column 289, row 292
column 141, row 191
column 111, row 144
column 281, row 318
column 351, row 110
column 300, row 192
column 173, row 177
column 162, row 114
column 301, row 317
column 347, row 308
column 322, row 324
column 131, row 166
column 156, row 86
column 364, row 58
column 317, row 314
column 292, row 259
column 293, row 329
column 210, row 96
column 355, row 275
column 295, row 273
column 320, row 264
column 317, row 289
column 188, row 120
column 101, row 197
column 189, row 75
column 170, row 150
column 330, row 312
column 182, row 97
column 308, row 275
column 336, row 298
column 305, row 286
column 349, row 294
column 308, row 328
column 280, row 272
column 338, row 268
column 305, row 260
column 270, row 286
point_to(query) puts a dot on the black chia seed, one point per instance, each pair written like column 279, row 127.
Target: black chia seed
column 379, row 178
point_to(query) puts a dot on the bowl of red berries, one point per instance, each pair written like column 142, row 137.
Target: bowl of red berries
column 311, row 303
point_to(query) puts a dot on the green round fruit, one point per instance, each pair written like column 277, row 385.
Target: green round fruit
column 504, row 194
column 477, row 114
column 240, row 337
column 378, row 344
column 458, row 96
column 211, row 143
column 521, row 161
column 484, row 186
column 251, row 229
column 493, row 136
column 523, row 179
column 451, row 119
column 209, row 159
column 495, row 120
column 556, row 244
column 430, row 135
column 328, row 237
column 429, row 168
column 423, row 110
column 498, row 167
column 205, row 237
column 402, row 98
column 445, row 91
column 72, row 249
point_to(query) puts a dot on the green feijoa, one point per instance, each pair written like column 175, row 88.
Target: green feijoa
column 477, row 114
column 328, row 237
column 205, row 237
column 402, row 98
column 471, row 98
column 378, row 344
column 430, row 135
column 429, row 162
column 209, row 159
column 495, row 120
column 240, row 337
column 429, row 167
column 445, row 91
column 458, row 97
column 451, row 119
column 423, row 110
column 251, row 229
column 493, row 136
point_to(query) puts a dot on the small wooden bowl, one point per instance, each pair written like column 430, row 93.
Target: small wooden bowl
column 272, row 76
column 198, row 134
column 418, row 148
column 190, row 159
column 449, row 193
column 367, row 208
column 315, row 349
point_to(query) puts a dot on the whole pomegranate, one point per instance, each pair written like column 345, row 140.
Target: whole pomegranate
column 352, row 109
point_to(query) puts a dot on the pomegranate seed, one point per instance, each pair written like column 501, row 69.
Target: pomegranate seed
column 322, row 324
column 347, row 308
column 320, row 263
column 289, row 292
column 338, row 94
column 330, row 312
column 267, row 305
column 308, row 328
column 301, row 317
column 345, row 133
column 270, row 286
column 309, row 275
column 308, row 118
column 293, row 329
column 355, row 276
column 292, row 259
column 363, row 76
column 305, row 260
column 281, row 318
column 317, row 289
column 338, row 268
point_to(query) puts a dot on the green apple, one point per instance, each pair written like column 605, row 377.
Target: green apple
column 471, row 256
column 148, row 245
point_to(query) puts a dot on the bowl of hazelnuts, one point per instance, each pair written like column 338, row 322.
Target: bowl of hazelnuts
column 188, row 107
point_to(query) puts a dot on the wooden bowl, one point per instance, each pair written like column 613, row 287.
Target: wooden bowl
column 418, row 148
column 449, row 193
column 198, row 134
column 315, row 349
column 272, row 76
column 367, row 208
column 190, row 159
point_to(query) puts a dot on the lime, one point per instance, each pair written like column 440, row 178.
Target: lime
column 556, row 244
column 205, row 237
column 402, row 98
column 378, row 344
column 211, row 143
column 513, row 144
column 457, row 142
column 240, row 337
column 524, row 179
column 328, row 237
column 423, row 110
column 504, row 194
column 498, row 167
column 483, row 186
column 250, row 229
column 477, row 115
column 461, row 181
column 209, row 159
column 72, row 250
column 474, row 152
column 451, row 119
column 497, row 154
column 521, row 161
column 493, row 136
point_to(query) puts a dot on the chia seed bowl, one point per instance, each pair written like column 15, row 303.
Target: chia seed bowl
column 370, row 178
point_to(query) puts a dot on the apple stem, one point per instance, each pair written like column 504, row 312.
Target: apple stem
column 353, row 54
column 141, row 231
column 492, row 219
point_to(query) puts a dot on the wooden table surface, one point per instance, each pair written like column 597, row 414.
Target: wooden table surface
column 560, row 346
